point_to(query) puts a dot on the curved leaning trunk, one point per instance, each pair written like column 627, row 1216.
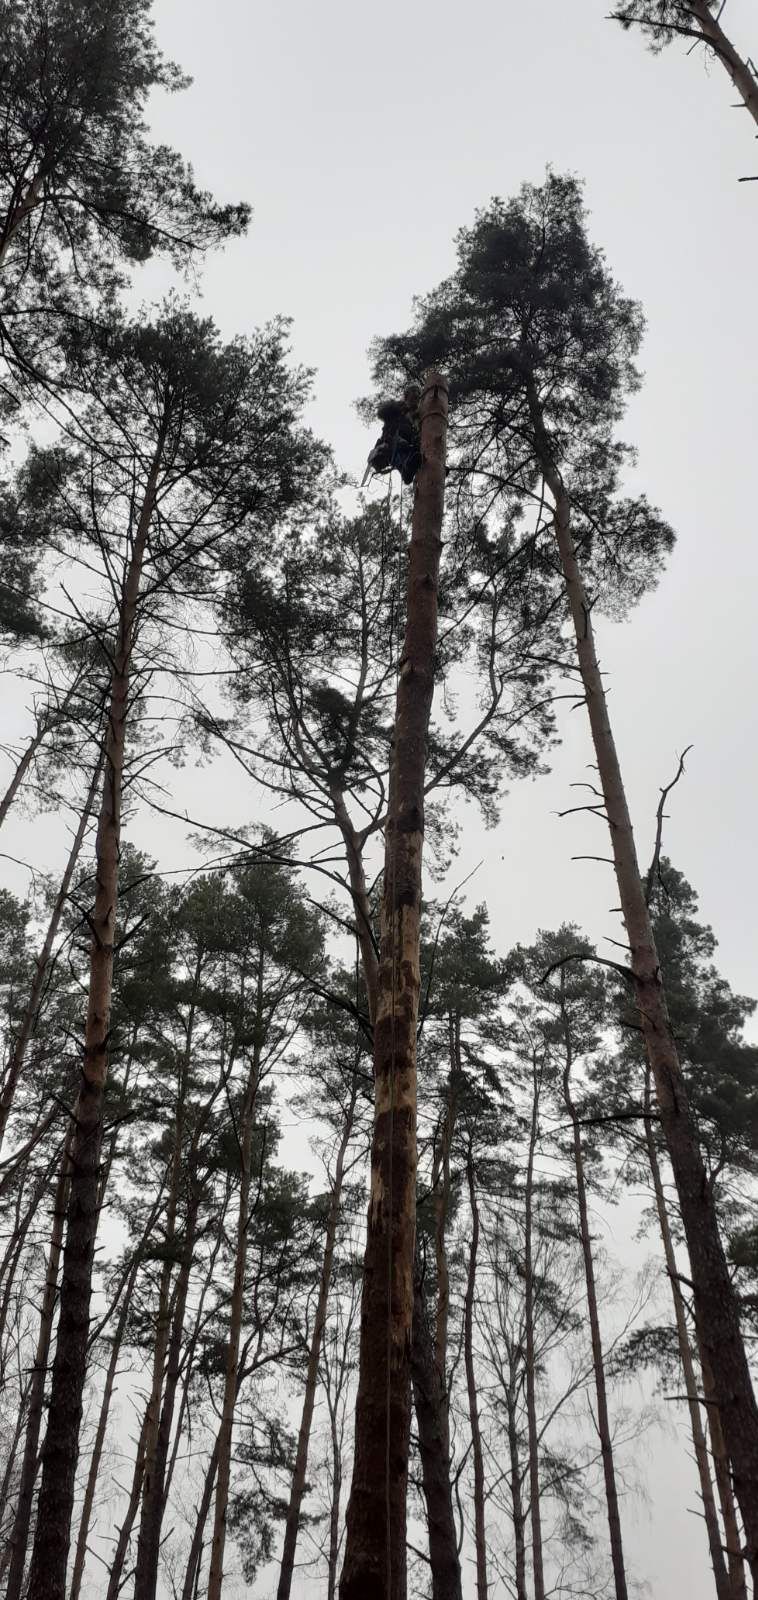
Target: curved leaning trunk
column 716, row 1307
column 297, row 1489
column 375, row 1551
column 47, row 1580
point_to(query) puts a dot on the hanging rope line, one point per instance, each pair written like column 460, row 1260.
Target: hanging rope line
column 392, row 823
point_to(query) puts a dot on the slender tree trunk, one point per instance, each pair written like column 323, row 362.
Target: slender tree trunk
column 17, row 1241
column 535, row 1509
column 25, row 205
column 517, row 1501
column 716, row 1307
column 297, row 1488
column 434, row 1449
column 188, row 1358
column 375, row 1551
column 236, row 1308
column 710, row 1514
column 442, row 1200
column 480, row 1531
column 737, row 1585
column 22, row 1520
column 603, row 1420
column 364, row 932
column 190, row 1585
column 130, row 1514
column 151, row 1518
column 102, row 1424
column 29, row 1018
column 334, row 1510
column 7, row 1478
column 47, row 1579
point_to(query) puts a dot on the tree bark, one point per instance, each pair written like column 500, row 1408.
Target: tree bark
column 364, row 932
column 130, row 1515
column 22, row 1521
column 42, row 963
column 297, row 1488
column 535, row 1510
column 738, row 70
column 480, row 1530
column 716, row 1307
column 434, row 1447
column 598, row 1364
column 47, row 1579
column 375, row 1552
column 710, row 1514
column 737, row 1587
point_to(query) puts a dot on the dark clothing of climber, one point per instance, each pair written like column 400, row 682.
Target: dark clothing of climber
column 398, row 444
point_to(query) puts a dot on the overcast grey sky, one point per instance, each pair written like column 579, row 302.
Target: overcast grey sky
column 364, row 136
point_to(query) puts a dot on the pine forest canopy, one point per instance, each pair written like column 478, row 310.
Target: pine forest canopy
column 306, row 1177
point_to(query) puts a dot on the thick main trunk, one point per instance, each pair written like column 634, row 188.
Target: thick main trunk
column 297, row 1487
column 535, row 1508
column 47, row 1580
column 429, row 1402
column 375, row 1551
column 700, row 1447
column 22, row 1520
column 716, row 1307
column 42, row 963
column 598, row 1364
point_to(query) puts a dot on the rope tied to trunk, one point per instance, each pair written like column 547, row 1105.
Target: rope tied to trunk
column 393, row 1048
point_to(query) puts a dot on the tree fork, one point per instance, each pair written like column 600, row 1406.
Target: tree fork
column 375, row 1555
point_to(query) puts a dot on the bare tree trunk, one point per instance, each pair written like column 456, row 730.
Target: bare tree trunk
column 60, row 1454
column 710, row 1514
column 375, row 1552
column 480, row 1530
column 737, row 1585
column 297, row 1488
column 517, row 1502
column 434, row 1448
column 531, row 1363
column 5, row 1485
column 716, row 1307
column 223, row 1474
column 603, row 1420
column 22, row 1520
column 102, row 1424
column 29, row 1018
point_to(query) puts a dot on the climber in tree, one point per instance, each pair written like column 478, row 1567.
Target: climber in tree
column 398, row 444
